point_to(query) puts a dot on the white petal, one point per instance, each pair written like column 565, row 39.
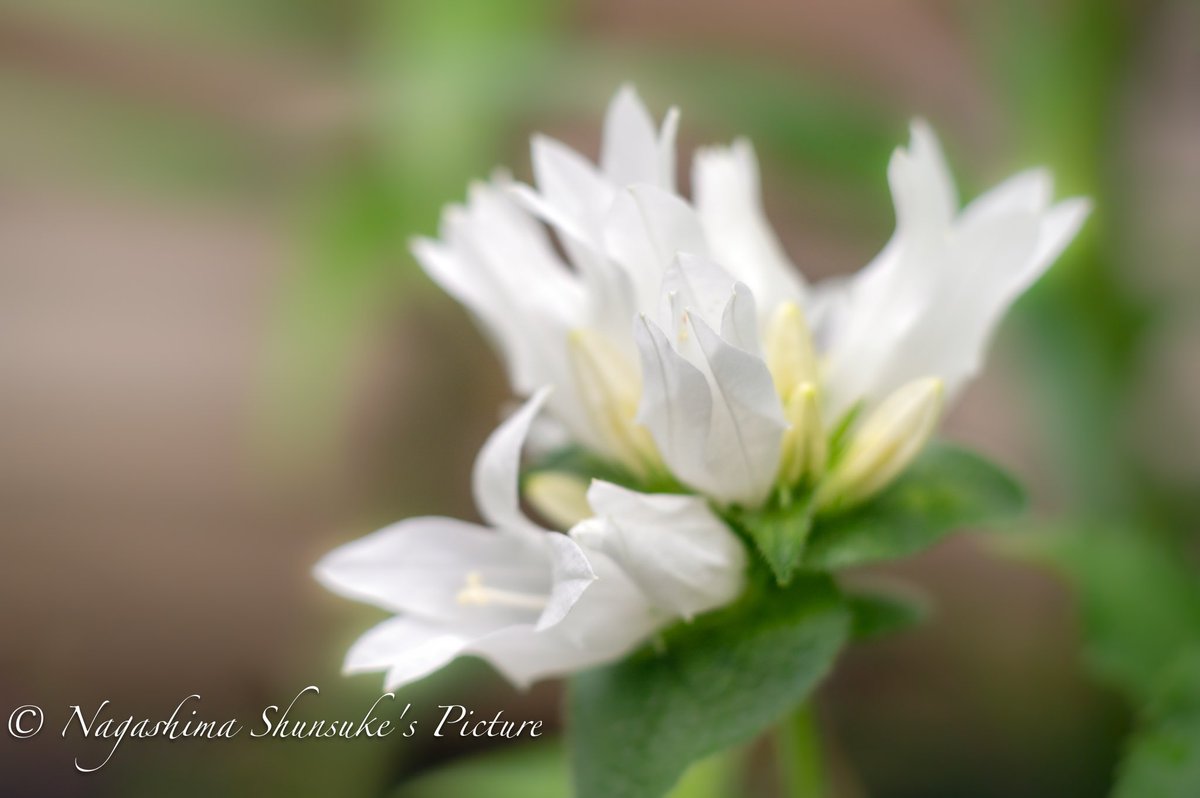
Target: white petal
column 407, row 649
column 666, row 149
column 646, row 228
column 497, row 261
column 1060, row 225
column 675, row 549
column 496, row 476
column 739, row 322
column 496, row 481
column 694, row 284
column 676, row 405
column 571, row 574
column 631, row 152
column 572, row 227
column 462, row 276
column 928, row 304
column 1003, row 259
column 611, row 619
column 747, row 426
column 950, row 340
column 569, row 183
column 718, row 423
column 728, row 200
column 922, row 187
column 1029, row 191
column 421, row 565
column 610, row 299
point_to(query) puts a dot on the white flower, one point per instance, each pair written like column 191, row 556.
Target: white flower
column 685, row 346
column 532, row 602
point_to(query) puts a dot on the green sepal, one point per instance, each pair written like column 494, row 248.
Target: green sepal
column 946, row 488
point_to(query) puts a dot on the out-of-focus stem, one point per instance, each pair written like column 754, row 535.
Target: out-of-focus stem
column 714, row 777
column 801, row 756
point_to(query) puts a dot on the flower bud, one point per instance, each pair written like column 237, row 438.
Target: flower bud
column 804, row 446
column 558, row 497
column 888, row 440
column 789, row 349
column 610, row 389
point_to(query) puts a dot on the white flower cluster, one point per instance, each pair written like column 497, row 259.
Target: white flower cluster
column 677, row 341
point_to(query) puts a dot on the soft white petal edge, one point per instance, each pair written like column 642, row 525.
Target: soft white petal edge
column 673, row 547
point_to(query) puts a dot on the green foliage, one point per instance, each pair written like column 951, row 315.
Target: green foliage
column 1139, row 601
column 780, row 534
column 638, row 724
column 945, row 489
column 1163, row 759
column 879, row 612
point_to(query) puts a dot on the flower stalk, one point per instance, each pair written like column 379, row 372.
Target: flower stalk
column 801, row 755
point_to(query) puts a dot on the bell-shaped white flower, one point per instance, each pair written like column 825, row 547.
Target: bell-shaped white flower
column 708, row 397
column 683, row 347
column 455, row 584
column 680, row 338
column 534, row 603
column 678, row 553
column 927, row 305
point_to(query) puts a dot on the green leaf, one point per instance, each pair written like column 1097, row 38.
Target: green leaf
column 1163, row 759
column 945, row 489
column 879, row 612
column 780, row 534
column 637, row 725
column 1139, row 599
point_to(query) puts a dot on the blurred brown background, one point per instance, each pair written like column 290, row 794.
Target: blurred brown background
column 218, row 361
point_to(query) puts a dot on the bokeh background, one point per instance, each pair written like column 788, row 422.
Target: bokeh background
column 218, row 360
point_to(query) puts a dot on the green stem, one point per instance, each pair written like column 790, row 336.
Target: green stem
column 713, row 777
column 800, row 755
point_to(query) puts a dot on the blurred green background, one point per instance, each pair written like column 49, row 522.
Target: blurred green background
column 218, row 359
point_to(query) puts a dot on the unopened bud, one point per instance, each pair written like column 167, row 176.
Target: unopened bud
column 559, row 497
column 888, row 440
column 789, row 349
column 610, row 389
column 804, row 445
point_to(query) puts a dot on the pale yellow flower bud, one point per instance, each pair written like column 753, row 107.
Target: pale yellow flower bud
column 558, row 497
column 888, row 440
column 610, row 389
column 805, row 449
column 789, row 349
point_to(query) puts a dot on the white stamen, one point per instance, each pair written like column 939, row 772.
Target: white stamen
column 476, row 594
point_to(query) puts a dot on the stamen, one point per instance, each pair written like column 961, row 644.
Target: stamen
column 476, row 594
